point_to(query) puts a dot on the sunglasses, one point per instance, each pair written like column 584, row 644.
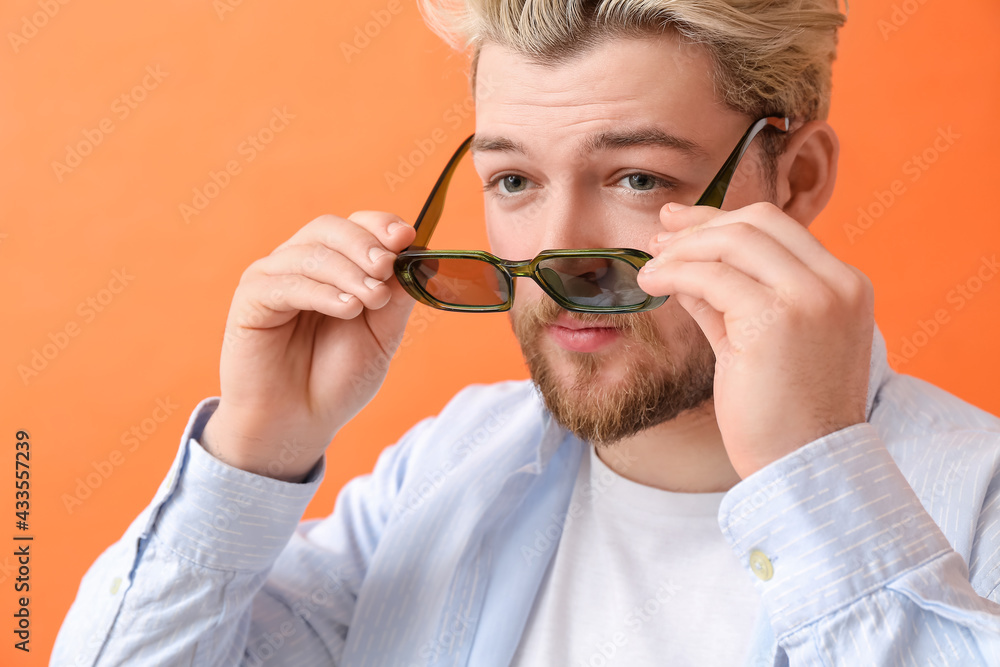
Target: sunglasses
column 587, row 280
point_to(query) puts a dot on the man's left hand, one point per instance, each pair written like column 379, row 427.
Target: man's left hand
column 791, row 325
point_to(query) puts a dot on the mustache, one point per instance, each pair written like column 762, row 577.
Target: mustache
column 534, row 316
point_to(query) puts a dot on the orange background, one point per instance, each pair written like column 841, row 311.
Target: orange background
column 356, row 117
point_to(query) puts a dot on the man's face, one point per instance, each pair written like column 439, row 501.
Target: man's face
column 583, row 155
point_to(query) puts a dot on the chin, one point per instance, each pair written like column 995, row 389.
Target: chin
column 592, row 373
column 623, row 389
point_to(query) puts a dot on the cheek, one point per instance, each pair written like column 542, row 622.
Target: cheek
column 672, row 320
column 624, row 227
column 495, row 241
column 526, row 292
column 641, row 237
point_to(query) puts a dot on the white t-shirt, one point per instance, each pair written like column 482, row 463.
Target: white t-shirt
column 641, row 576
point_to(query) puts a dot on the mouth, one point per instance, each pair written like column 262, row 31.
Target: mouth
column 575, row 336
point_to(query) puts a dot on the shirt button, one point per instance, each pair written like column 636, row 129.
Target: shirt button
column 115, row 585
column 761, row 565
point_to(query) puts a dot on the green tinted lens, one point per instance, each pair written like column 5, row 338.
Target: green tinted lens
column 596, row 282
column 461, row 281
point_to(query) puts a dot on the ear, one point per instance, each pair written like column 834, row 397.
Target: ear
column 807, row 171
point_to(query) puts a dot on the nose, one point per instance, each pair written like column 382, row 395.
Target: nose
column 570, row 216
column 592, row 281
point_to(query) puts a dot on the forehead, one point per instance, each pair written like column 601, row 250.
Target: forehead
column 650, row 80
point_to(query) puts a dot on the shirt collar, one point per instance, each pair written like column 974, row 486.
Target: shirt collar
column 879, row 371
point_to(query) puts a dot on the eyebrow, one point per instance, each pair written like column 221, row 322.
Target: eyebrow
column 601, row 141
column 642, row 136
column 497, row 144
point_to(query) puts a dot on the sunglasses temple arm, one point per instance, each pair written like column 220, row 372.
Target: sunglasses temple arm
column 716, row 192
column 431, row 212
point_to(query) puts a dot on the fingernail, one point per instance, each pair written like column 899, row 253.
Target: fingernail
column 648, row 267
column 371, row 282
column 393, row 226
column 662, row 237
column 673, row 207
column 345, row 297
column 375, row 253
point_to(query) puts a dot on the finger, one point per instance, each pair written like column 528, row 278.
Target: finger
column 395, row 236
column 391, row 230
column 787, row 231
column 725, row 288
column 394, row 233
column 371, row 241
column 271, row 301
column 747, row 248
column 323, row 265
column 711, row 321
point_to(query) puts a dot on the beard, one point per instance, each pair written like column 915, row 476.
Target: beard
column 655, row 385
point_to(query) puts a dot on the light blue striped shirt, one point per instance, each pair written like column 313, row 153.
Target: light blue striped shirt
column 883, row 539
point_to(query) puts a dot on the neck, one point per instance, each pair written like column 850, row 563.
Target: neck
column 683, row 455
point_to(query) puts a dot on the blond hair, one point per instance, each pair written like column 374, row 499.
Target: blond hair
column 770, row 57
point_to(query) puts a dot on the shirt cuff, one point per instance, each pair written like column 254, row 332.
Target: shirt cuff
column 222, row 517
column 826, row 525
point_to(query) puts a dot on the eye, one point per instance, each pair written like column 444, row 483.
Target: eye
column 512, row 183
column 641, row 182
column 506, row 185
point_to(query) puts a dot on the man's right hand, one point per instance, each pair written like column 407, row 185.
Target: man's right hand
column 308, row 340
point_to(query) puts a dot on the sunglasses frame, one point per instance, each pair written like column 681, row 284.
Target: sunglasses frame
column 430, row 214
column 524, row 269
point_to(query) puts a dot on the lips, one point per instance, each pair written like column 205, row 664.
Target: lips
column 566, row 321
column 576, row 336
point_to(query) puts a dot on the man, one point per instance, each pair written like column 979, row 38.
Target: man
column 732, row 477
